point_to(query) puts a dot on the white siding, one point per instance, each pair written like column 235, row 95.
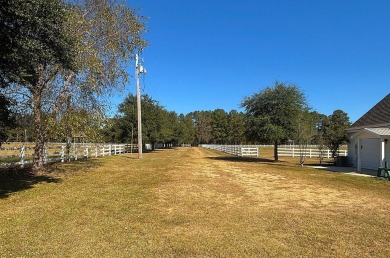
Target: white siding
column 387, row 152
column 352, row 152
column 370, row 153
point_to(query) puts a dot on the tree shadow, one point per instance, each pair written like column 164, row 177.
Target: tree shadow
column 159, row 150
column 73, row 167
column 18, row 179
column 242, row 159
column 323, row 164
column 15, row 179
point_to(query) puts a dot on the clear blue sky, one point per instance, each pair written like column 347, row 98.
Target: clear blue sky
column 205, row 55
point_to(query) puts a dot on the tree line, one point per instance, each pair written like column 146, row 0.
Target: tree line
column 276, row 115
column 162, row 126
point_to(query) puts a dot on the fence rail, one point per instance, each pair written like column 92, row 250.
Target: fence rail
column 237, row 150
column 309, row 153
column 61, row 152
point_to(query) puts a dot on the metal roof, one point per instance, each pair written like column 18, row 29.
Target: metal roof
column 381, row 131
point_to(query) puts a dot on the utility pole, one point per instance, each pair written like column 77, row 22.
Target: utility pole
column 139, row 69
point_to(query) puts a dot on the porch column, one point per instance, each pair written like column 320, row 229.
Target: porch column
column 359, row 159
column 382, row 152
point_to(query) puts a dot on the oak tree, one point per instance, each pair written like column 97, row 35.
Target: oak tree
column 271, row 114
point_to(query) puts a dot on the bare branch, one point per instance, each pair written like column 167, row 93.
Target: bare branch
column 62, row 96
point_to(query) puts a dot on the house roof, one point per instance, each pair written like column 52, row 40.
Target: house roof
column 379, row 115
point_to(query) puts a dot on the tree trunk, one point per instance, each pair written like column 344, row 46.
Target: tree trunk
column 276, row 156
column 39, row 131
column 302, row 153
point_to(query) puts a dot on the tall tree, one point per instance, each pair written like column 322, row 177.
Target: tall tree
column 236, row 127
column 304, row 132
column 203, row 127
column 170, row 129
column 187, row 129
column 105, row 35
column 219, row 125
column 272, row 113
column 36, row 40
column 125, row 123
column 152, row 120
column 321, row 121
column 335, row 131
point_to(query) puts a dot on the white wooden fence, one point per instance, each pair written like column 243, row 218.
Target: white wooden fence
column 61, row 152
column 237, row 150
column 309, row 153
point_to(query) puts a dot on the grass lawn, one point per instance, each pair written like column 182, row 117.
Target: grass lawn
column 192, row 202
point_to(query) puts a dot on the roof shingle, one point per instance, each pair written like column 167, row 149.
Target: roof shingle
column 376, row 116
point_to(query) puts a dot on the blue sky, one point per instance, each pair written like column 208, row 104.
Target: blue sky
column 205, row 55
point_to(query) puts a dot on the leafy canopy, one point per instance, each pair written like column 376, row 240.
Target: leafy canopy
column 335, row 130
column 272, row 113
column 33, row 33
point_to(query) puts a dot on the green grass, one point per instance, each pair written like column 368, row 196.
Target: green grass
column 191, row 202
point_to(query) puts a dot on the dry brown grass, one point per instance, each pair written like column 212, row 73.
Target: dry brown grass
column 192, row 202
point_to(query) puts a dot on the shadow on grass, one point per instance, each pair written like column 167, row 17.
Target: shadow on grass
column 17, row 179
column 159, row 150
column 270, row 162
column 73, row 167
column 152, row 151
column 242, row 159
column 323, row 164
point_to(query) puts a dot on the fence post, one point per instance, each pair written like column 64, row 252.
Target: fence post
column 309, row 153
column 62, row 153
column 103, row 150
column 327, row 154
column 86, row 152
column 75, row 152
column 115, row 149
column 68, row 146
column 96, row 151
column 44, row 154
column 22, row 153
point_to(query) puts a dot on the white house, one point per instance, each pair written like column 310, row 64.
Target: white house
column 369, row 136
